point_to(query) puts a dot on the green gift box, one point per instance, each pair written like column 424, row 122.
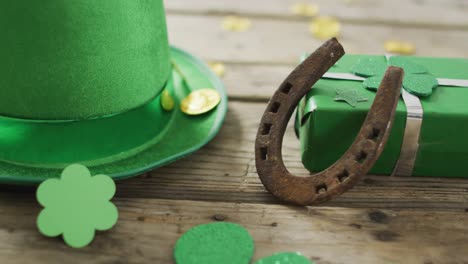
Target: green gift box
column 326, row 127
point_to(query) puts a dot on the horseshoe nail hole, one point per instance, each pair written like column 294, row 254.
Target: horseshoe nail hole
column 266, row 129
column 274, row 107
column 374, row 134
column 264, row 153
column 286, row 88
column 361, row 157
column 322, row 188
column 343, row 176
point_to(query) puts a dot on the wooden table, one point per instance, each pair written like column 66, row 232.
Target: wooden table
column 382, row 220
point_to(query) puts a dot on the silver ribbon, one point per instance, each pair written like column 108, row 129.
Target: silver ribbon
column 414, row 117
column 410, row 145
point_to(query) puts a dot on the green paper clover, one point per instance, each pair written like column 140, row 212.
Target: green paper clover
column 417, row 79
column 76, row 205
column 223, row 242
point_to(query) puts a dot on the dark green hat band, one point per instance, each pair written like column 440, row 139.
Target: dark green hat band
column 55, row 144
column 80, row 59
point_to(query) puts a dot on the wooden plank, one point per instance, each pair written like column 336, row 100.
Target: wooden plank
column 148, row 229
column 271, row 41
column 254, row 82
column 224, row 170
column 421, row 13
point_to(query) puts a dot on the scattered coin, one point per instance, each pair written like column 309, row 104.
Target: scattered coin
column 236, row 24
column 399, row 47
column 305, row 9
column 167, row 102
column 325, row 27
column 200, row 101
column 218, row 68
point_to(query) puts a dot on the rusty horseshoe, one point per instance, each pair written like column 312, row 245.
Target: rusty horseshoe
column 356, row 161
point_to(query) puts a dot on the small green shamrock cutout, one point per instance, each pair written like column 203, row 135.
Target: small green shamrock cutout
column 350, row 96
column 285, row 258
column 76, row 205
column 417, row 79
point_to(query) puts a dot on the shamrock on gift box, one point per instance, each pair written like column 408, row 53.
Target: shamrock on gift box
column 417, row 79
column 226, row 243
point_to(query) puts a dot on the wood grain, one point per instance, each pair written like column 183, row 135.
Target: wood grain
column 274, row 41
column 148, row 229
column 415, row 13
column 254, row 82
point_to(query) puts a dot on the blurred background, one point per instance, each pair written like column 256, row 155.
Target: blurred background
column 255, row 43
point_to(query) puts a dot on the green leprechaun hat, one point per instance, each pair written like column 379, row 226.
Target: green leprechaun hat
column 96, row 83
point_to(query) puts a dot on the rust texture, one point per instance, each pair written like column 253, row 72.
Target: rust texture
column 357, row 160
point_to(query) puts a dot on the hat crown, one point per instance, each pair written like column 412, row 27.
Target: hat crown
column 79, row 59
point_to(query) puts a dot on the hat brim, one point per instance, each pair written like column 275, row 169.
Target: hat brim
column 181, row 136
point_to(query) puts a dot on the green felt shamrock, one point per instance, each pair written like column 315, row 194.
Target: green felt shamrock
column 76, row 205
column 223, row 242
column 417, row 79
column 350, row 96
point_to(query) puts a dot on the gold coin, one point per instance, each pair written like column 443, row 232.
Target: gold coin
column 325, row 27
column 167, row 102
column 399, row 47
column 236, row 24
column 218, row 68
column 200, row 101
column 305, row 9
